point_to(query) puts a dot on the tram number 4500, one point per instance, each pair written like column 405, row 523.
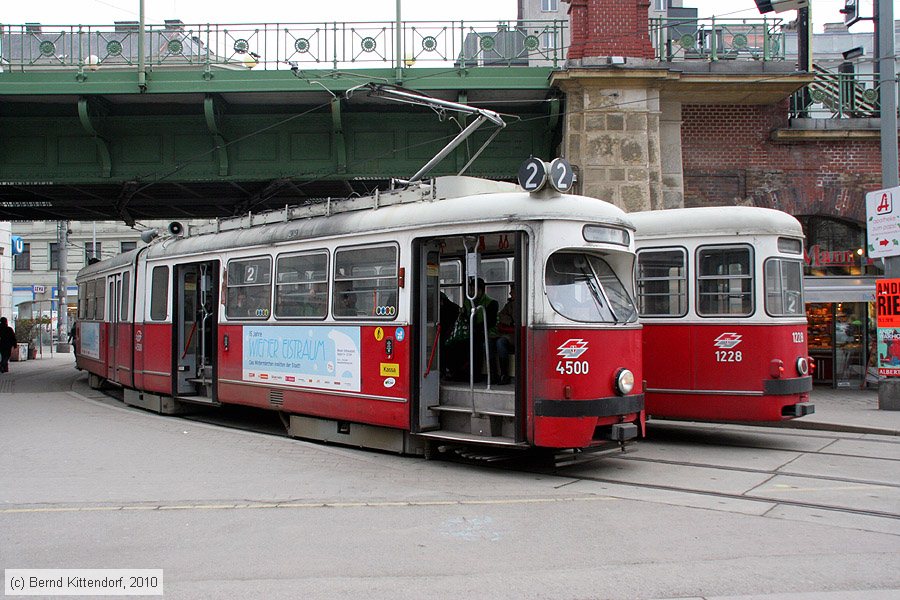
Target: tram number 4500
column 573, row 367
column 729, row 356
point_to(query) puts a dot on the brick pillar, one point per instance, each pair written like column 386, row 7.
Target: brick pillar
column 602, row 28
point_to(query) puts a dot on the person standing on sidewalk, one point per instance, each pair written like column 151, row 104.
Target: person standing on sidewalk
column 7, row 343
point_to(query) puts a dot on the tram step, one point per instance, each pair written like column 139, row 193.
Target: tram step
column 205, row 400
column 468, row 409
column 486, row 401
column 471, row 438
column 201, row 381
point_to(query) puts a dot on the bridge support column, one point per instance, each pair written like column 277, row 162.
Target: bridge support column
column 615, row 130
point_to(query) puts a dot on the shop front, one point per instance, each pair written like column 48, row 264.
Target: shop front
column 839, row 286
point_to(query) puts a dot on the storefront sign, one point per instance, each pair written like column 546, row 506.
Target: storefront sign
column 883, row 222
column 816, row 256
column 887, row 305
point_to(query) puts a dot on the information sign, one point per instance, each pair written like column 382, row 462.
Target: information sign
column 887, row 306
column 883, row 223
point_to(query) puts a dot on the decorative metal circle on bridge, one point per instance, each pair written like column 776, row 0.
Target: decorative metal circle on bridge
column 487, row 42
column 175, row 46
column 818, row 95
column 241, row 46
column 48, row 48
column 301, row 45
column 870, row 95
column 114, row 48
column 686, row 41
column 368, row 44
column 429, row 43
column 739, row 41
column 532, row 42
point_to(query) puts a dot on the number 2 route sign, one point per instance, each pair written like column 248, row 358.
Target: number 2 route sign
column 883, row 222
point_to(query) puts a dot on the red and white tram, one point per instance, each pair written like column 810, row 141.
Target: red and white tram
column 720, row 296
column 330, row 314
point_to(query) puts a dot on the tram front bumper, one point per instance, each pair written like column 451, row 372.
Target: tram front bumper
column 622, row 432
column 801, row 409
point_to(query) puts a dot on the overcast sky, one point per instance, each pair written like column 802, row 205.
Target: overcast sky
column 304, row 11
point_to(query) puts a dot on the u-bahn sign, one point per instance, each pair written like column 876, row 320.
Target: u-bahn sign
column 883, row 222
column 18, row 245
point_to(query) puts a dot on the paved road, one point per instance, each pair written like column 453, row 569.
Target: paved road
column 88, row 483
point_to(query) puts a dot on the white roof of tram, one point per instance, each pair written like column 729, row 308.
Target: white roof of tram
column 713, row 221
column 421, row 207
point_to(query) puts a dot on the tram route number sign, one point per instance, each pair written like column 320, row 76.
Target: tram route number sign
column 883, row 223
column 887, row 306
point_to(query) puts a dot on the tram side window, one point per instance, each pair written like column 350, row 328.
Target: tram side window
column 368, row 278
column 784, row 296
column 82, row 300
column 725, row 281
column 249, row 288
column 451, row 280
column 100, row 302
column 126, row 294
column 159, row 293
column 301, row 286
column 662, row 283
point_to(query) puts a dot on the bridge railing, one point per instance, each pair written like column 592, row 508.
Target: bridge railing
column 282, row 45
column 679, row 39
column 838, row 96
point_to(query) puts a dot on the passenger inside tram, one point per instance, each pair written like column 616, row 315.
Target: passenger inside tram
column 486, row 310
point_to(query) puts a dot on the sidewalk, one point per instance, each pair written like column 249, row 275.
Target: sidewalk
column 844, row 410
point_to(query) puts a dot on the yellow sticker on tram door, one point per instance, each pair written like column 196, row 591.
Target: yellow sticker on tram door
column 390, row 370
column 379, row 334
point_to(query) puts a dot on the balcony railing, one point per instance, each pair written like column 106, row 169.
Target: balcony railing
column 282, row 45
column 713, row 40
column 838, row 96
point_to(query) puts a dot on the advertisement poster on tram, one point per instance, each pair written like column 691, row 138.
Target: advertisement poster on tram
column 887, row 304
column 302, row 356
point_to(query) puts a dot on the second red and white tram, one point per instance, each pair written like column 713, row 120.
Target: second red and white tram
column 719, row 292
column 330, row 314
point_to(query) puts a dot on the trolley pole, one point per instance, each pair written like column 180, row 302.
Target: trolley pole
column 62, row 286
column 889, row 388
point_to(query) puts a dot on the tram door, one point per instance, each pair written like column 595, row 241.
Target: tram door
column 429, row 352
column 113, row 316
column 194, row 325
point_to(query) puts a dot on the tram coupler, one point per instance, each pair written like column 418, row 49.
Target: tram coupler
column 801, row 409
column 622, row 432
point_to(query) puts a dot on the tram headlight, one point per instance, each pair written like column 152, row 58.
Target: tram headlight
column 624, row 381
column 803, row 365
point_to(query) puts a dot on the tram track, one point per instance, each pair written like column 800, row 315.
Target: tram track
column 516, row 464
column 733, row 496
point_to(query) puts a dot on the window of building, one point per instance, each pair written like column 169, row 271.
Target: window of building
column 22, row 261
column 369, row 275
column 91, row 250
column 128, row 246
column 662, row 283
column 724, row 281
column 159, row 293
column 549, row 5
column 249, row 293
column 54, row 256
column 784, row 296
column 301, row 287
column 835, row 247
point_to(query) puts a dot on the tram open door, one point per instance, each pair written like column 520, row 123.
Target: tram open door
column 194, row 325
column 476, row 407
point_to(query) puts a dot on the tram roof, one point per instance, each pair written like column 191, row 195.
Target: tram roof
column 480, row 202
column 714, row 221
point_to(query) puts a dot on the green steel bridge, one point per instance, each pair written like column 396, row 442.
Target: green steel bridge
column 180, row 120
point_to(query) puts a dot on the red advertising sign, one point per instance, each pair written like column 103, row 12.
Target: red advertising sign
column 887, row 305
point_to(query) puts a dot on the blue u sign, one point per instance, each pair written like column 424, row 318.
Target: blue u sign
column 18, row 245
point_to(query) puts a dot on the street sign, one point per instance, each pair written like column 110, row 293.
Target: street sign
column 887, row 307
column 883, row 222
column 39, row 289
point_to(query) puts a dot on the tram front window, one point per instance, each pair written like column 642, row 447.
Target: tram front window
column 584, row 288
